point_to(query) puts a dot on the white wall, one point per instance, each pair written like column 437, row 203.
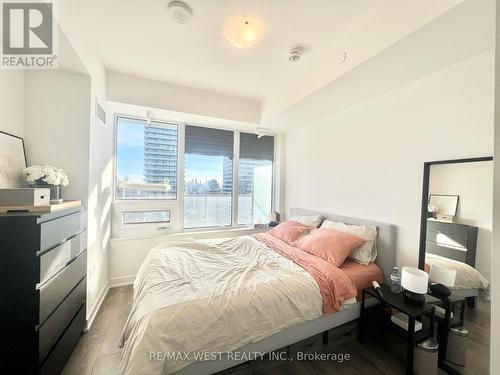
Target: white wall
column 61, row 129
column 367, row 161
column 473, row 182
column 154, row 94
column 12, row 102
column 56, row 131
column 100, row 184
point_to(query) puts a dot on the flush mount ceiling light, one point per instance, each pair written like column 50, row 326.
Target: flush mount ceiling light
column 179, row 11
column 244, row 32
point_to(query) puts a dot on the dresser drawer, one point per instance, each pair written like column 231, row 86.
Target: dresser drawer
column 453, row 229
column 55, row 325
column 55, row 361
column 58, row 287
column 56, row 259
column 447, row 239
column 56, row 231
column 447, row 252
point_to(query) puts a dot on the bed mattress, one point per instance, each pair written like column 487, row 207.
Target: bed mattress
column 197, row 298
column 362, row 275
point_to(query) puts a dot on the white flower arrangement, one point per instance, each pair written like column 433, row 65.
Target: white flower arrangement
column 46, row 174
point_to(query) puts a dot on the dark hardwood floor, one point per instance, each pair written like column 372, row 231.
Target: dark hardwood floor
column 97, row 353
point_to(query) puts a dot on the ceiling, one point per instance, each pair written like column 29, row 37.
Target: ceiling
column 138, row 38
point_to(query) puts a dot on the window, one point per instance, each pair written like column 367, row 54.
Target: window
column 146, row 217
column 255, row 191
column 208, row 177
column 148, row 175
column 146, row 159
column 255, row 178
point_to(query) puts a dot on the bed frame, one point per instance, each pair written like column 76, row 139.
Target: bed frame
column 385, row 260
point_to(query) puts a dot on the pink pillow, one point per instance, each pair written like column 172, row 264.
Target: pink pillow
column 331, row 245
column 289, row 231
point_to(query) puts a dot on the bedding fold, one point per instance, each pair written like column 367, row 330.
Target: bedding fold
column 335, row 285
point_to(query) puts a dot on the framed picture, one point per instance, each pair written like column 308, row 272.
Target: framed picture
column 12, row 161
column 445, row 204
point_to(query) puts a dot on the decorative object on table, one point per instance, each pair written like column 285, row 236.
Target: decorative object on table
column 441, row 278
column 274, row 219
column 260, row 226
column 47, row 176
column 378, row 289
column 12, row 161
column 431, row 211
column 442, row 275
column 414, row 283
column 426, row 357
column 445, row 206
column 395, row 280
column 457, row 342
column 25, row 197
column 439, row 290
column 41, row 209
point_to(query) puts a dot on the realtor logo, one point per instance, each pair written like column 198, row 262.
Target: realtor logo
column 28, row 35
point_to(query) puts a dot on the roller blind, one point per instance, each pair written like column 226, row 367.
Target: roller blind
column 207, row 141
column 253, row 147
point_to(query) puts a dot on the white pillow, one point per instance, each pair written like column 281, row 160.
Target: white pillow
column 311, row 220
column 368, row 251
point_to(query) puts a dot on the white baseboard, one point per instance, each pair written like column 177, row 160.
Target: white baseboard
column 97, row 305
column 121, row 281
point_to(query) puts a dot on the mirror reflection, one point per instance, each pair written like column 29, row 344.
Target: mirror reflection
column 458, row 245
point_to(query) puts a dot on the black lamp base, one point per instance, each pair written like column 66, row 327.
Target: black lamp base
column 416, row 298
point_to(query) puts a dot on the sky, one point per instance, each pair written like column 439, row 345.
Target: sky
column 130, row 156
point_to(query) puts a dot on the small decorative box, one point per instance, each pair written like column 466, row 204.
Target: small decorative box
column 25, row 197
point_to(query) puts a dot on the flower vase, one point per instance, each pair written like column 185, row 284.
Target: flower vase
column 55, row 194
column 55, row 191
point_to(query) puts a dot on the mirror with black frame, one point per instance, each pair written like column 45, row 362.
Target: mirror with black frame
column 455, row 249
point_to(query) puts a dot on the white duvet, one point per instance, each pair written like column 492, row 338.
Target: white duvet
column 194, row 297
column 467, row 277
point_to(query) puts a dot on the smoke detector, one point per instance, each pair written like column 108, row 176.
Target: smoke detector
column 295, row 54
column 179, row 11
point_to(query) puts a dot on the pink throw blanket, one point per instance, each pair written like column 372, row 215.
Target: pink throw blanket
column 335, row 285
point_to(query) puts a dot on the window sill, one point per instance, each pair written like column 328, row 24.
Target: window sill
column 197, row 233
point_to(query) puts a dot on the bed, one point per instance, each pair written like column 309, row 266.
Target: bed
column 469, row 282
column 249, row 316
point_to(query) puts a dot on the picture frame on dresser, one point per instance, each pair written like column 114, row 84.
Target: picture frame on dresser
column 12, row 161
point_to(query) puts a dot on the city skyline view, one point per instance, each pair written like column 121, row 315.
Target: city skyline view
column 148, row 168
column 130, row 153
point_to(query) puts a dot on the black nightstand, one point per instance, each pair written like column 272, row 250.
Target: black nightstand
column 413, row 310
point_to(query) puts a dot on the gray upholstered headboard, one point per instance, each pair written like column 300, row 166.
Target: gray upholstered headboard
column 386, row 239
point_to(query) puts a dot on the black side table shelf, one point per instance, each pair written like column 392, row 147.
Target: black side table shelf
column 412, row 310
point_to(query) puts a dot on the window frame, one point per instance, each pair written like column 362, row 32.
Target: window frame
column 177, row 223
column 273, row 185
column 115, row 155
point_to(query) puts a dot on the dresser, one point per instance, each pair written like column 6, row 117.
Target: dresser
column 43, row 267
column 452, row 240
